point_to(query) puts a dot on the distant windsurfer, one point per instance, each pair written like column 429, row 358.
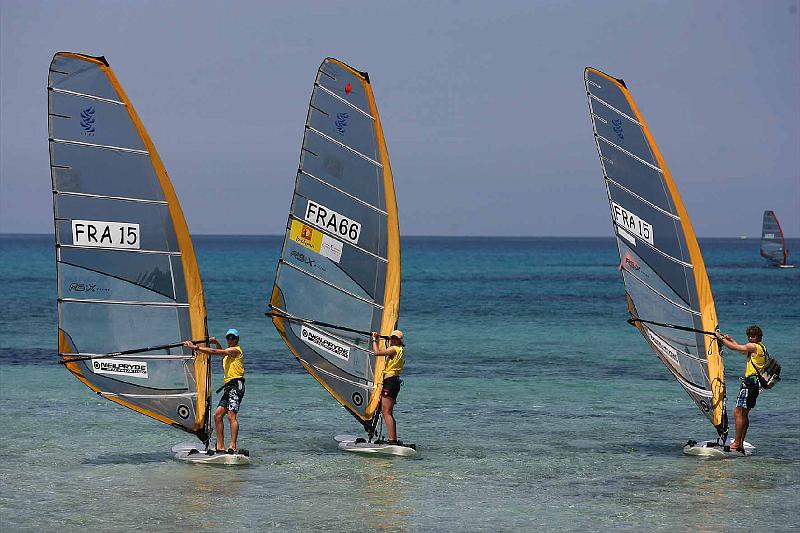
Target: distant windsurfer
column 233, row 366
column 754, row 351
column 391, row 378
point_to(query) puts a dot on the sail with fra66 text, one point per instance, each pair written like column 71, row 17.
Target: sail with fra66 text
column 663, row 270
column 773, row 244
column 129, row 289
column 338, row 277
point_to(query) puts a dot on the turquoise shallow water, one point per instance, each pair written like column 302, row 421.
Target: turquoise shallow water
column 534, row 404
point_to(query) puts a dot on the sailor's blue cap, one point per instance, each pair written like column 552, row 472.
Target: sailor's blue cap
column 234, row 332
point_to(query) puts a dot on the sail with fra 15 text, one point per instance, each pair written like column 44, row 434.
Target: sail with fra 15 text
column 129, row 289
column 668, row 292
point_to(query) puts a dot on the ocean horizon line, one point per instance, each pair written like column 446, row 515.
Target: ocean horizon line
column 418, row 236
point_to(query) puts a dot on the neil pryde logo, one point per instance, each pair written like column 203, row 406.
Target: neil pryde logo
column 117, row 367
column 326, row 344
column 617, row 126
column 87, row 120
column 341, row 122
column 77, row 286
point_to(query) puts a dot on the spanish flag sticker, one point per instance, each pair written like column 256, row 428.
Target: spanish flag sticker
column 314, row 239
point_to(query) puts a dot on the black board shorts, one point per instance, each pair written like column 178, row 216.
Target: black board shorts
column 232, row 396
column 391, row 387
column 748, row 394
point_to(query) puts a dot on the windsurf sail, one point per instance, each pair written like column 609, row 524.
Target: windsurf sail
column 129, row 289
column 665, row 278
column 773, row 245
column 340, row 262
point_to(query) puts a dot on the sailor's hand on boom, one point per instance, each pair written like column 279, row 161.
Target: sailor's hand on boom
column 376, row 351
column 190, row 344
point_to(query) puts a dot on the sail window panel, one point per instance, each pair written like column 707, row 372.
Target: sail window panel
column 309, row 298
column 92, row 121
column 151, row 271
column 164, row 377
column 356, row 367
column 608, row 91
column 650, row 306
column 90, row 170
column 355, row 271
column 694, row 371
column 666, row 277
column 336, row 78
column 623, row 132
column 104, row 328
column 349, row 380
column 155, row 224
column 663, row 230
column 85, row 77
column 87, row 284
column 343, row 123
column 342, row 217
column 635, row 176
column 342, row 169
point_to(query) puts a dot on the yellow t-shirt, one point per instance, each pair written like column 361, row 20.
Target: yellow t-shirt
column 757, row 358
column 233, row 365
column 394, row 365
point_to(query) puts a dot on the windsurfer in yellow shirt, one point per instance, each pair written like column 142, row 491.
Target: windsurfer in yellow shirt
column 754, row 351
column 233, row 366
column 391, row 378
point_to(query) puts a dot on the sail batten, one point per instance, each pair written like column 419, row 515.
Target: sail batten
column 662, row 267
column 126, row 272
column 340, row 259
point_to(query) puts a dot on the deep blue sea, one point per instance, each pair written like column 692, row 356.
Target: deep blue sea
column 534, row 404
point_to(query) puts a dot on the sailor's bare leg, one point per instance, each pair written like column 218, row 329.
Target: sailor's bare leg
column 219, row 414
column 740, row 414
column 387, row 410
column 233, row 422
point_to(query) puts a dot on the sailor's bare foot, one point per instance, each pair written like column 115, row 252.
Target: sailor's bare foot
column 220, row 448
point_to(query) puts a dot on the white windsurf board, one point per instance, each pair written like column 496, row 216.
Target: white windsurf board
column 350, row 443
column 710, row 449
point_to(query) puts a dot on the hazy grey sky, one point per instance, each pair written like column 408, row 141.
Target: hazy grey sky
column 482, row 103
